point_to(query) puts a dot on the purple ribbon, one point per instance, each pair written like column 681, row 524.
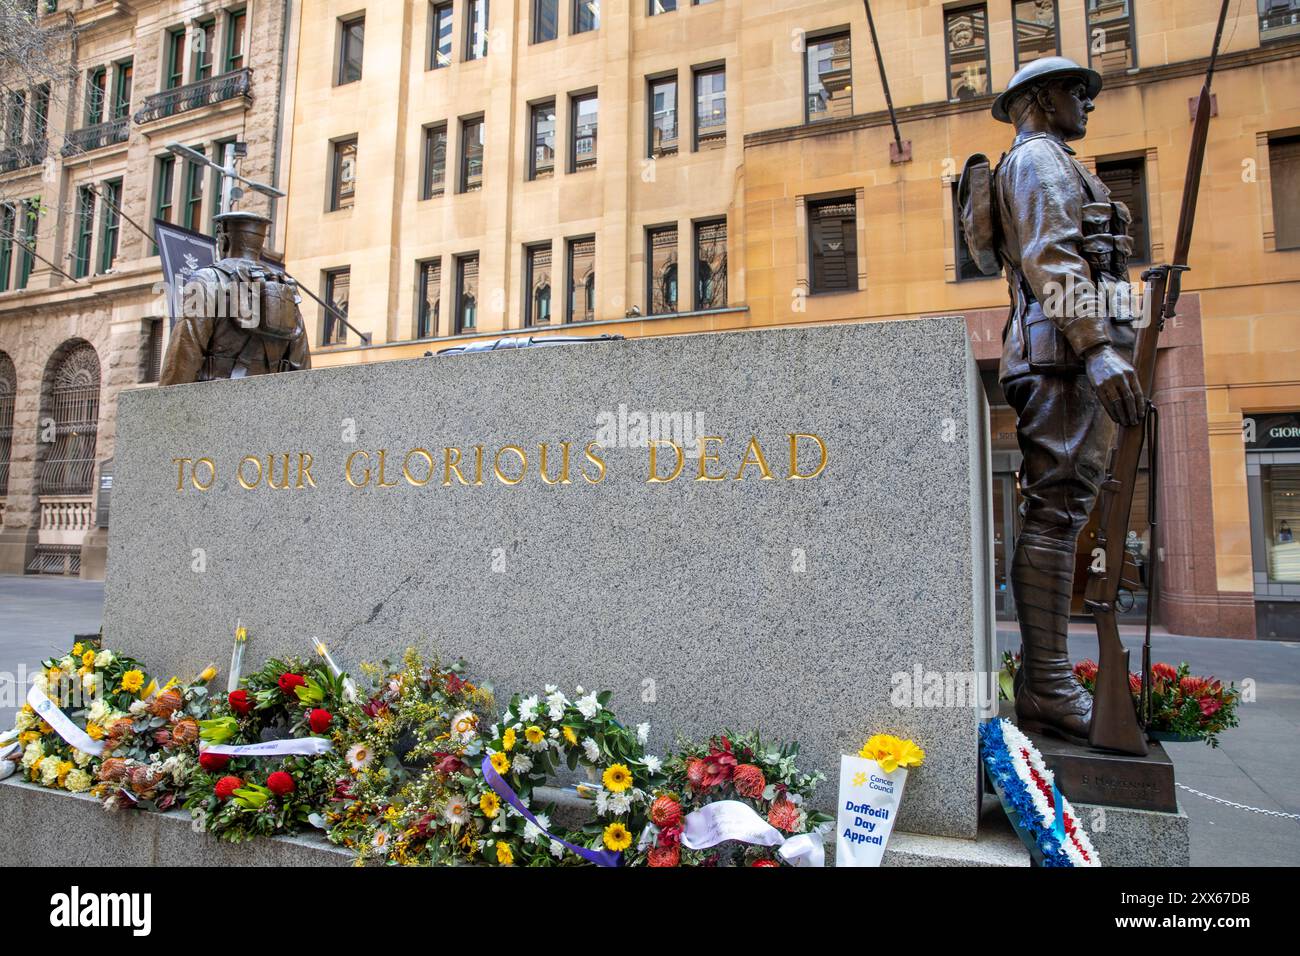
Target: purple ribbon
column 504, row 791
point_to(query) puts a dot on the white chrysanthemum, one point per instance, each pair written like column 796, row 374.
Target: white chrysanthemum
column 588, row 706
column 81, row 758
column 98, row 711
column 32, row 754
column 522, row 764
column 89, row 682
column 360, row 756
column 533, row 833
column 619, row 804
column 138, row 707
column 77, row 781
column 528, row 708
column 557, row 849
column 103, row 659
column 602, row 802
column 49, row 770
column 555, row 703
column 642, row 733
column 590, row 749
column 653, row 764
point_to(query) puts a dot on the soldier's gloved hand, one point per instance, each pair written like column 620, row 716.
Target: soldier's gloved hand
column 1116, row 384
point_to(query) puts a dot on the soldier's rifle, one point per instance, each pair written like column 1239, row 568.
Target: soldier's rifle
column 1116, row 723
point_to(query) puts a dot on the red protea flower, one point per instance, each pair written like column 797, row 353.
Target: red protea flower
column 213, row 762
column 670, row 836
column 665, row 812
column 1085, row 670
column 695, row 773
column 113, row 769
column 765, row 863
column 239, row 702
column 226, row 786
column 280, row 783
column 749, row 781
column 163, row 738
column 1193, row 686
column 289, row 681
column 1209, row 706
column 320, row 720
column 784, row 815
column 663, row 856
column 1162, row 671
column 166, row 703
column 1135, row 683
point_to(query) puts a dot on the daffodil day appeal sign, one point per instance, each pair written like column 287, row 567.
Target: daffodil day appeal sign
column 869, row 800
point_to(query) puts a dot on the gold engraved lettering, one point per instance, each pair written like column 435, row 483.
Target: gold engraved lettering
column 478, row 466
column 212, row 474
column 754, row 458
column 707, row 458
column 380, row 482
column 451, row 463
column 794, row 457
column 270, row 472
column 595, row 460
column 564, row 466
column 304, row 469
column 654, row 478
column 523, row 465
column 406, row 467
column 180, row 464
column 347, row 469
column 257, row 463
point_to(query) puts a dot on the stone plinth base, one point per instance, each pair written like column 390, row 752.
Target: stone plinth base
column 1137, row 837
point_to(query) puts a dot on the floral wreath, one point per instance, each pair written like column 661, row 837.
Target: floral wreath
column 239, row 797
column 537, row 735
column 1039, row 811
column 410, row 750
column 93, row 689
column 730, row 767
column 148, row 757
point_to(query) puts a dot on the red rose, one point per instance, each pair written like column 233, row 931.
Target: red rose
column 288, row 682
column 664, row 856
column 213, row 762
column 749, row 781
column 239, row 702
column 227, row 786
column 1209, row 706
column 280, row 783
column 765, row 863
column 665, row 812
column 319, row 720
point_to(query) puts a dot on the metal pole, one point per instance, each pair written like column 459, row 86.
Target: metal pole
column 900, row 155
column 227, row 182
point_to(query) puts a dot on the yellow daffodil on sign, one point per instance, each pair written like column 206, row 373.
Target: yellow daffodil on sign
column 892, row 752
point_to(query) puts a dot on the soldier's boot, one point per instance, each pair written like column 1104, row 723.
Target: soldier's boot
column 1048, row 698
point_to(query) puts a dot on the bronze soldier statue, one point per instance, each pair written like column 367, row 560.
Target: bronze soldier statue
column 247, row 320
column 1066, row 361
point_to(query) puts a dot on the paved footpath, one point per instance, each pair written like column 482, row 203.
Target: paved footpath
column 1258, row 763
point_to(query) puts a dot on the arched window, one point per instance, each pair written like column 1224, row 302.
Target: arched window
column 72, row 403
column 8, row 388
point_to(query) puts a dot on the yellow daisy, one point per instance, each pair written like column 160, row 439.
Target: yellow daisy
column 490, row 804
column 508, row 739
column 571, row 736
column 78, row 649
column 88, row 659
column 617, row 778
column 505, row 855
column 132, row 681
column 617, row 837
column 500, row 762
column 534, row 734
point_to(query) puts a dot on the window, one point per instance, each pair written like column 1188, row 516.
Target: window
column 661, row 254
column 153, row 350
column 829, row 69
column 40, row 112
column 541, row 159
column 352, row 38
column 663, row 116
column 537, row 285
column 546, row 20
column 343, row 174
column 435, row 160
column 441, row 35
column 967, row 35
column 662, row 6
column 1112, row 40
column 476, row 36
column 426, row 326
column 123, row 75
column 164, row 177
column 1127, row 181
column 471, row 155
column 711, row 108
column 84, row 230
column 582, row 280
column 110, row 225
column 833, row 245
column 466, row 293
column 236, row 30
column 1284, row 173
column 30, row 212
column 15, row 118
column 582, row 132
column 7, row 218
column 1280, row 497
column 175, row 56
column 964, row 265
column 338, row 286
column 1037, row 30
column 586, row 15
column 205, row 38
column 711, row 264
column 192, row 203
column 96, row 90
column 1279, row 19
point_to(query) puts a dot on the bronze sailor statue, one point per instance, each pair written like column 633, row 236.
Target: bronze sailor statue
column 240, row 315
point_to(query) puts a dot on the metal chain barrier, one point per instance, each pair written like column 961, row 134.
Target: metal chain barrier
column 1240, row 806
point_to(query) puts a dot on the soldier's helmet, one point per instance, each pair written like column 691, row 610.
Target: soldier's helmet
column 1044, row 70
column 241, row 230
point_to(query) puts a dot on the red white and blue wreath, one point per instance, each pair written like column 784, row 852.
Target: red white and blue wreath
column 1037, row 809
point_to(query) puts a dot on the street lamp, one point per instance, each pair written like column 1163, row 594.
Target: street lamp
column 229, row 172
